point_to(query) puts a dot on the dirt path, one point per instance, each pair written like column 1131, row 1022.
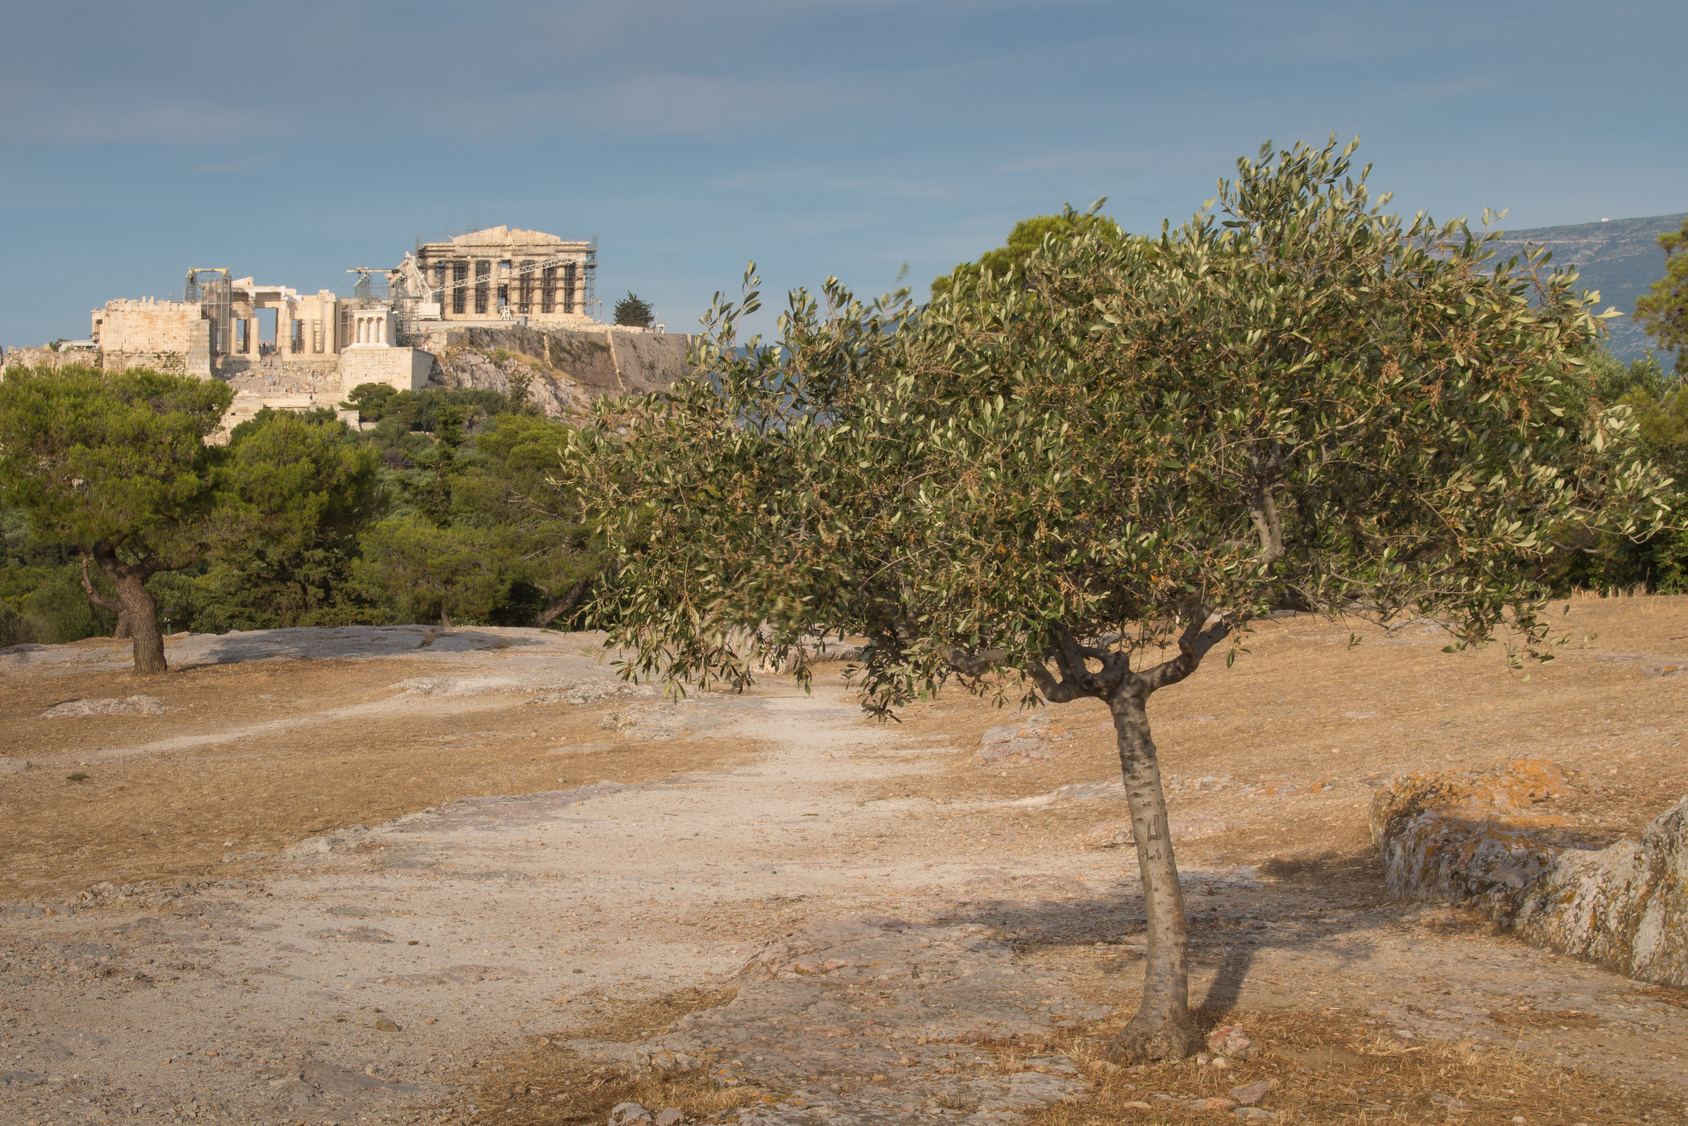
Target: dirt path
column 929, row 936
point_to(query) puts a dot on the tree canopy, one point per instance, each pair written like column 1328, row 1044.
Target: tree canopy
column 1663, row 311
column 634, row 311
column 1026, row 239
column 1076, row 480
column 116, row 465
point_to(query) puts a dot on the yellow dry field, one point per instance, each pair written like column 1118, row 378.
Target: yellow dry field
column 1295, row 736
column 163, row 816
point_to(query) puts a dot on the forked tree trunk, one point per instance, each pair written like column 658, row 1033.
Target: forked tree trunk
column 563, row 605
column 121, row 631
column 1162, row 1027
column 136, row 608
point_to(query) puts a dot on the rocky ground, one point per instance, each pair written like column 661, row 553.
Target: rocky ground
column 416, row 875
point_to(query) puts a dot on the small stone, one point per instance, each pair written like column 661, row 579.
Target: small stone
column 1137, row 1104
column 1202, row 1059
column 627, row 1114
column 1250, row 1094
column 1252, row 1114
column 1221, row 1062
column 385, row 1025
column 673, row 1116
column 1232, row 1043
column 1215, row 1103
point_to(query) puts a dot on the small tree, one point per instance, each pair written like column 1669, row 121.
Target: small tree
column 634, row 311
column 117, row 465
column 1663, row 311
column 1077, row 484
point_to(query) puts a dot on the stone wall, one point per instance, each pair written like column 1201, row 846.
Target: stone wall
column 47, row 358
column 404, row 368
column 1483, row 837
column 146, row 326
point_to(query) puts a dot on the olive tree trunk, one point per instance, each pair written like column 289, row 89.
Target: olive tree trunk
column 1162, row 1027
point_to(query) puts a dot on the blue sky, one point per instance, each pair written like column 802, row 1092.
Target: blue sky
column 293, row 140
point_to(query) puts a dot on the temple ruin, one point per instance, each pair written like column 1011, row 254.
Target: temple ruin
column 500, row 288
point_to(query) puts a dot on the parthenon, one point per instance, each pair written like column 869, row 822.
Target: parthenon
column 392, row 326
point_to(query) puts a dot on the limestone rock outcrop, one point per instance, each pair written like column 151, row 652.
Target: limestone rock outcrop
column 1480, row 837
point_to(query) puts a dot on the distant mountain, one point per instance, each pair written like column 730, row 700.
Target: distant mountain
column 1619, row 257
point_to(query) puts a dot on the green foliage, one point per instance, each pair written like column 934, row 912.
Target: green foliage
column 1657, row 563
column 1298, row 401
column 511, row 547
column 282, row 519
column 422, row 410
column 300, row 489
column 417, row 571
column 41, row 595
column 118, row 459
column 1026, row 239
column 1664, row 311
column 634, row 311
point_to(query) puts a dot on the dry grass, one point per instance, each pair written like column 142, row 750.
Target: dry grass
column 1330, row 1067
column 550, row 1084
column 1303, row 703
column 165, row 816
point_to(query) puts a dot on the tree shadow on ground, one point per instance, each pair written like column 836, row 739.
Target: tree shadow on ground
column 1232, row 919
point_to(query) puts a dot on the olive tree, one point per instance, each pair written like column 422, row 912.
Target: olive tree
column 1078, row 480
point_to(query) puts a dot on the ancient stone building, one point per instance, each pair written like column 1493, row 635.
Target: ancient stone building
column 502, row 274
column 495, row 308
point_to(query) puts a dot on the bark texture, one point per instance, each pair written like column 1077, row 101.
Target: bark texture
column 134, row 604
column 1162, row 1028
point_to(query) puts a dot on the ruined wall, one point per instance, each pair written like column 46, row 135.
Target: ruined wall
column 146, row 326
column 47, row 358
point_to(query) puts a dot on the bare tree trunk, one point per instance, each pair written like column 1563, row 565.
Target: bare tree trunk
column 121, row 631
column 564, row 604
column 445, row 619
column 142, row 609
column 135, row 606
column 1162, row 1028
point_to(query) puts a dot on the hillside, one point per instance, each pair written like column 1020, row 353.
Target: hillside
column 1619, row 257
